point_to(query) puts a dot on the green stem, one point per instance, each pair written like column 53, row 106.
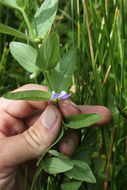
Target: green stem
column 28, row 23
column 46, row 76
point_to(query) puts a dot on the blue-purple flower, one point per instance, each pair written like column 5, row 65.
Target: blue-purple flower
column 57, row 96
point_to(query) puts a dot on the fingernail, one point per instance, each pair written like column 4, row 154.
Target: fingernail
column 49, row 117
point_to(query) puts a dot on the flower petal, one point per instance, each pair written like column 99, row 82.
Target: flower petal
column 65, row 96
column 55, row 96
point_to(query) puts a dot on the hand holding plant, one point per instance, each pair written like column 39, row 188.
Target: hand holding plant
column 37, row 125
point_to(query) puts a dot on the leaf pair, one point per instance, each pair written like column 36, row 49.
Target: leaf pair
column 45, row 60
column 73, row 121
column 74, row 169
column 47, row 56
column 42, row 21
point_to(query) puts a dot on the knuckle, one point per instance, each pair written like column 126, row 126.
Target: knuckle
column 34, row 140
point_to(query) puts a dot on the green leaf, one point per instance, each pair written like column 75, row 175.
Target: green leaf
column 81, row 171
column 48, row 54
column 25, row 55
column 74, row 185
column 40, row 161
column 10, row 3
column 61, row 76
column 34, row 95
column 57, row 154
column 35, row 74
column 44, row 17
column 11, row 31
column 53, row 152
column 57, row 165
column 81, row 120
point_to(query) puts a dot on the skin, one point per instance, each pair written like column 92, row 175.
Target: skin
column 25, row 133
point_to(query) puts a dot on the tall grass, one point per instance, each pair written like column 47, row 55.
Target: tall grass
column 98, row 29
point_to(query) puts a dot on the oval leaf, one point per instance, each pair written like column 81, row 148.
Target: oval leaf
column 74, row 185
column 48, row 55
column 44, row 17
column 83, row 120
column 81, row 171
column 34, row 95
column 61, row 76
column 26, row 56
column 11, row 31
column 57, row 165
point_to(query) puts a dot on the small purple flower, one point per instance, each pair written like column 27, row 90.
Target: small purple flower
column 57, row 96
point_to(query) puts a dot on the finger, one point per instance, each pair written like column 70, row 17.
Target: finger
column 22, row 108
column 67, row 107
column 69, row 143
column 32, row 142
column 9, row 125
column 102, row 110
column 30, row 120
column 2, row 135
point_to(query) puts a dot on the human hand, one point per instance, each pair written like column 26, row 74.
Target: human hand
column 25, row 133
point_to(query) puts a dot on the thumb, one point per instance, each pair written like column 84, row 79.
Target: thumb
column 32, row 142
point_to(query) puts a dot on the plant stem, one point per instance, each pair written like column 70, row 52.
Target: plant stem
column 28, row 23
column 107, row 174
column 46, row 76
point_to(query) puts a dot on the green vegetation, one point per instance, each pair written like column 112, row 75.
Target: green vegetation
column 97, row 28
